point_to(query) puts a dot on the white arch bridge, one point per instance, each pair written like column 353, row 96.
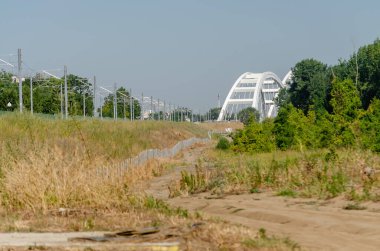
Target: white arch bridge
column 257, row 90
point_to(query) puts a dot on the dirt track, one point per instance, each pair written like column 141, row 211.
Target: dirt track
column 314, row 224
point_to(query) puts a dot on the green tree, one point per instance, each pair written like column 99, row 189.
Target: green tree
column 248, row 115
column 214, row 113
column 309, row 86
column 8, row 92
column 283, row 98
column 345, row 100
column 368, row 69
column 363, row 68
column 46, row 95
column 346, row 104
column 123, row 105
column 79, row 89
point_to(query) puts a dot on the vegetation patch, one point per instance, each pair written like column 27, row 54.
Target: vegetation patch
column 287, row 193
column 263, row 241
column 354, row 206
column 223, row 144
column 287, row 173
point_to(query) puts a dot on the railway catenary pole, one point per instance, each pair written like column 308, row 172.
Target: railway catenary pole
column 175, row 113
column 142, row 107
column 101, row 107
column 124, row 108
column 61, row 97
column 133, row 108
column 66, row 101
column 159, row 113
column 130, row 105
column 94, row 98
column 170, row 112
column 31, row 94
column 84, row 103
column 19, row 78
column 178, row 114
column 114, row 102
column 164, row 114
column 151, row 108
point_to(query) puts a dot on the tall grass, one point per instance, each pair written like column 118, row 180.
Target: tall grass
column 101, row 138
column 50, row 181
column 54, row 163
column 321, row 173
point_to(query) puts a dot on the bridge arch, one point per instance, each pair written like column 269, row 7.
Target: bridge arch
column 257, row 90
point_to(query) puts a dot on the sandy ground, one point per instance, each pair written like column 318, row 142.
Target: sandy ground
column 41, row 239
column 314, row 224
column 76, row 241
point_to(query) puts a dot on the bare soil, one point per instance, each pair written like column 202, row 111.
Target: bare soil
column 313, row 224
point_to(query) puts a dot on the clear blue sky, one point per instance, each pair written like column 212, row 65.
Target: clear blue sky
column 185, row 52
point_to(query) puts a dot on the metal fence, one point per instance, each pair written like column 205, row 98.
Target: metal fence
column 147, row 155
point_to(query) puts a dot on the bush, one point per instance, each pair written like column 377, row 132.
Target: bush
column 255, row 137
column 223, row 144
column 295, row 130
column 369, row 125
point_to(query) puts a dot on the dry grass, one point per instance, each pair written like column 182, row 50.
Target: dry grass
column 53, row 163
column 322, row 174
column 192, row 233
column 50, row 181
column 49, row 178
column 106, row 139
column 221, row 126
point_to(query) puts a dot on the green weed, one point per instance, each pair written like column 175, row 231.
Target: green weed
column 320, row 173
column 152, row 203
column 223, row 144
column 287, row 193
column 263, row 241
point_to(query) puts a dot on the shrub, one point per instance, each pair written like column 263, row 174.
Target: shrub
column 223, row 144
column 293, row 129
column 256, row 137
column 369, row 125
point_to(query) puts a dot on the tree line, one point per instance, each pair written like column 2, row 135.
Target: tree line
column 323, row 107
column 47, row 96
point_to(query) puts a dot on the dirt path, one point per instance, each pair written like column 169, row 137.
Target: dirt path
column 43, row 239
column 61, row 241
column 158, row 187
column 314, row 224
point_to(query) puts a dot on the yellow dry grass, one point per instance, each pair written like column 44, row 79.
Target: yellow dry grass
column 50, row 180
column 221, row 126
column 53, row 163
